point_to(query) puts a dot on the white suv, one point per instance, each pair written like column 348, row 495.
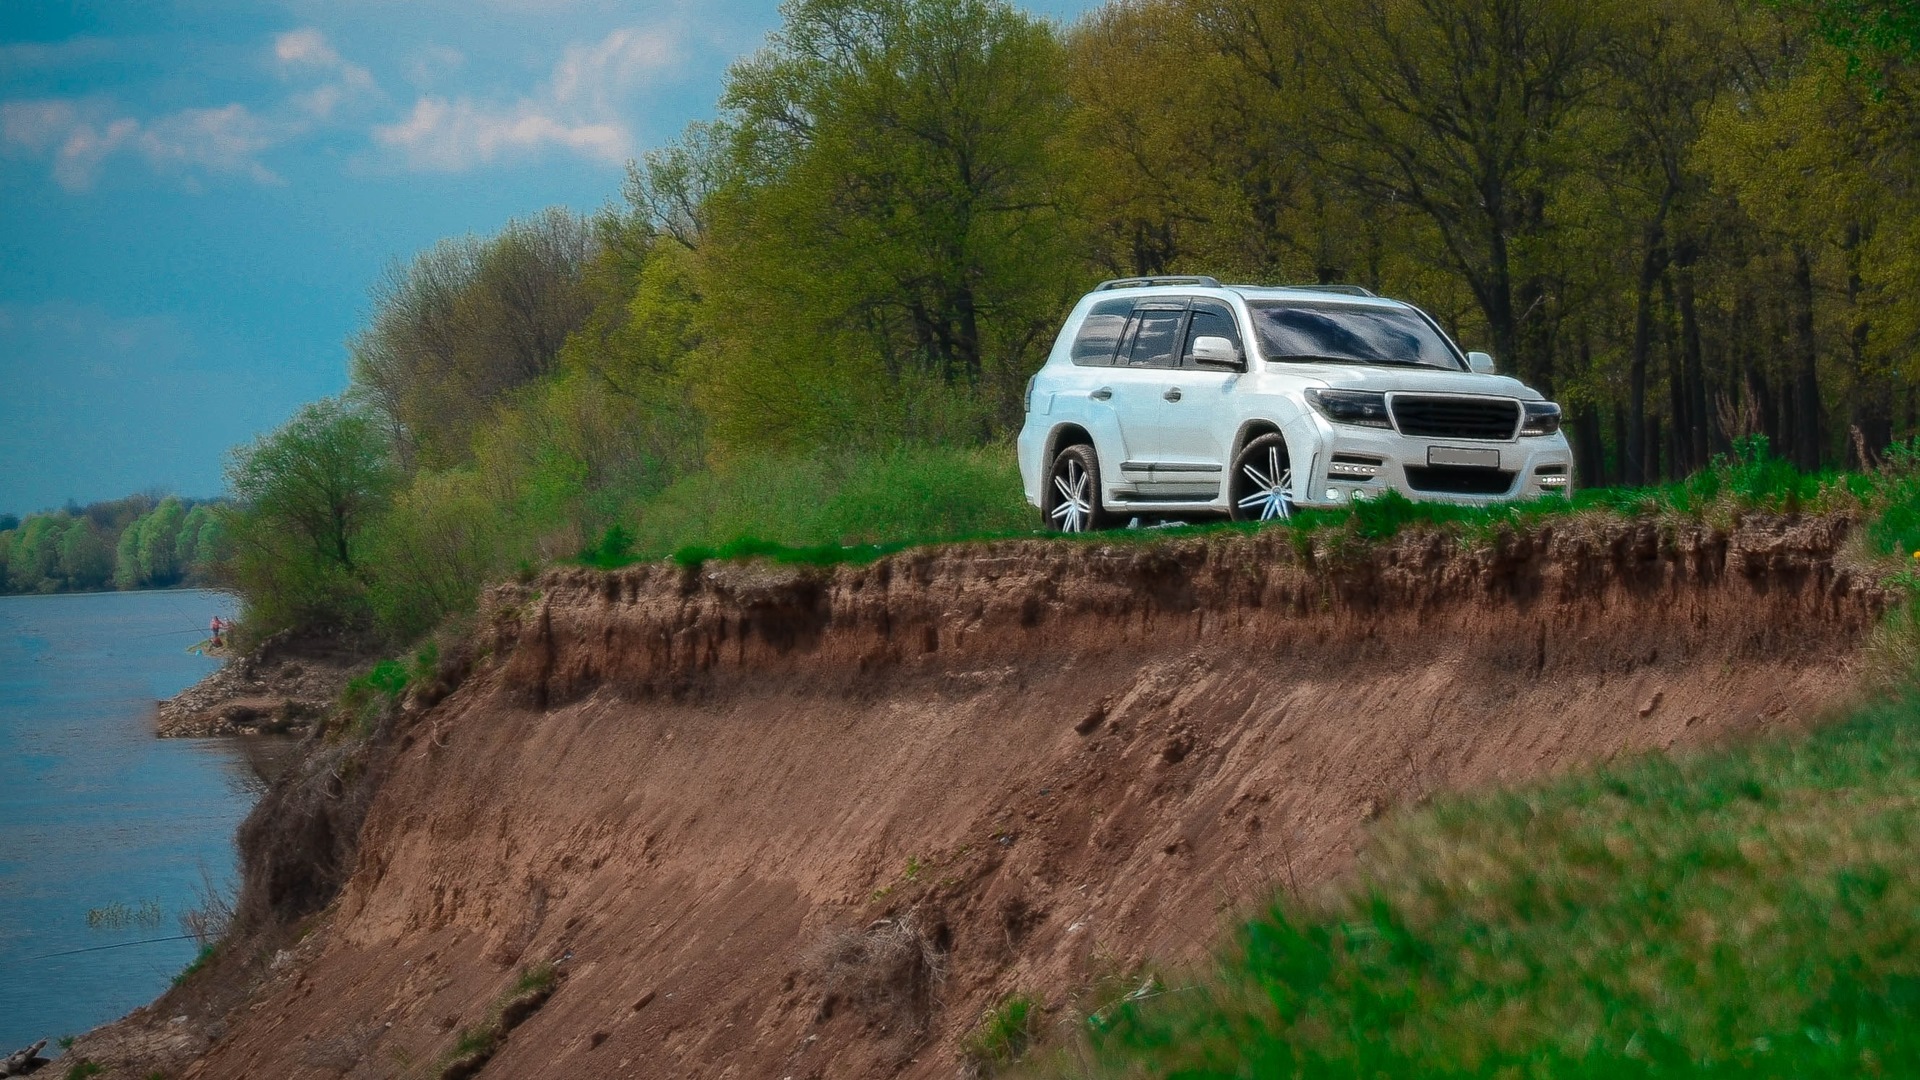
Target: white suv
column 1175, row 397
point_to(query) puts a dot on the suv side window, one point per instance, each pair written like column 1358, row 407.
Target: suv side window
column 1211, row 320
column 1099, row 336
column 1156, row 337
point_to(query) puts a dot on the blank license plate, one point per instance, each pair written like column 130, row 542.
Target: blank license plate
column 1472, row 459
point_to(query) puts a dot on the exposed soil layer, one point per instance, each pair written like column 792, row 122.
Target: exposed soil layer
column 780, row 822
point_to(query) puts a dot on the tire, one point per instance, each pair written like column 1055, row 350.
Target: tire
column 1259, row 485
column 1070, row 502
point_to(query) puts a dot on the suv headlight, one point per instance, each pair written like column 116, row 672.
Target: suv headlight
column 1364, row 407
column 1543, row 418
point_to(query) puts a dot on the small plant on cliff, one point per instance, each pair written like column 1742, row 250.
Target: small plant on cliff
column 200, row 961
column 366, row 696
column 1003, row 1034
column 614, row 550
column 538, row 978
column 80, row 1070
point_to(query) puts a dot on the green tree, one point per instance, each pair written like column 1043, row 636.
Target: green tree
column 306, row 495
column 465, row 323
column 84, row 559
column 891, row 241
column 34, row 562
column 157, row 553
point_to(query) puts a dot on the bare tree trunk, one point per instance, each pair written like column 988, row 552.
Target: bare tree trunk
column 1699, row 433
column 1652, row 261
column 1806, row 391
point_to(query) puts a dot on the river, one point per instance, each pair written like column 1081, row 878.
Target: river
column 96, row 814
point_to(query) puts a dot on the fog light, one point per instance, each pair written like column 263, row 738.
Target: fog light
column 1555, row 480
column 1332, row 495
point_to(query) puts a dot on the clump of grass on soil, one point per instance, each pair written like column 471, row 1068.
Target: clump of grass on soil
column 1748, row 912
column 1003, row 1034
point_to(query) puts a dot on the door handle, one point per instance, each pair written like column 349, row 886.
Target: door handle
column 1172, row 393
column 1102, row 394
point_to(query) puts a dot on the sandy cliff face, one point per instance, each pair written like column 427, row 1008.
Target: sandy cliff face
column 779, row 822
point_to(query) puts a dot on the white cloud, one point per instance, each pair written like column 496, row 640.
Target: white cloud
column 305, row 47
column 307, row 52
column 448, row 136
column 85, row 147
column 79, row 136
column 80, row 139
column 223, row 140
column 36, row 125
column 577, row 110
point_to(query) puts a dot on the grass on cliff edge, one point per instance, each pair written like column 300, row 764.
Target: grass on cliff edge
column 855, row 508
column 1749, row 912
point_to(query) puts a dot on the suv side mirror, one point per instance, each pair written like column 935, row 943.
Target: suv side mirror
column 1216, row 352
column 1480, row 363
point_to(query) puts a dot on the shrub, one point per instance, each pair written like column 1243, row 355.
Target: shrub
column 1004, row 1033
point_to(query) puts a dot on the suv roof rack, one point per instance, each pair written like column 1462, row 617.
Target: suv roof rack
column 1201, row 280
column 1344, row 290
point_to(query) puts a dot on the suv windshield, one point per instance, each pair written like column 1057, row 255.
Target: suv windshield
column 1292, row 330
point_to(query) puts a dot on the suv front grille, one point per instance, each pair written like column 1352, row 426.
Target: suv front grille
column 1455, row 417
column 1454, row 480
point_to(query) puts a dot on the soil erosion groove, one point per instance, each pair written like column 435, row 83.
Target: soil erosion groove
column 789, row 821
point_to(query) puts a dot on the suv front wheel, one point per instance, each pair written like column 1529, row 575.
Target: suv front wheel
column 1072, row 496
column 1260, row 488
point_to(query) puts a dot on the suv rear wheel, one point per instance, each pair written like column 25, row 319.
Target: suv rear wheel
column 1072, row 496
column 1260, row 488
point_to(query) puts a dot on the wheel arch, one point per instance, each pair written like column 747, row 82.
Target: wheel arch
column 1251, row 430
column 1064, row 435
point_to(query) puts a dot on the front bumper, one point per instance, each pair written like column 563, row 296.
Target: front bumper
column 1345, row 462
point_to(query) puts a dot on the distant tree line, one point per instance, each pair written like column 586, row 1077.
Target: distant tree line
column 140, row 542
column 1688, row 220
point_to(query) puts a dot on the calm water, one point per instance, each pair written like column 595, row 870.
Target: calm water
column 95, row 811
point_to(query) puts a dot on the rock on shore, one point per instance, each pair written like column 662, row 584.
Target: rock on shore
column 282, row 687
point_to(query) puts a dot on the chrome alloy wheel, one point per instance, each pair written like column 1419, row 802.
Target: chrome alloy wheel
column 1073, row 512
column 1264, row 482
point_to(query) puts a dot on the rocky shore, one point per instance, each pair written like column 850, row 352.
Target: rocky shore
column 280, row 688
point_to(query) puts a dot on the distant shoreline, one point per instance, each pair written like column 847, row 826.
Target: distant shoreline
column 116, row 592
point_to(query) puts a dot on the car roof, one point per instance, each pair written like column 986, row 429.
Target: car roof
column 1343, row 295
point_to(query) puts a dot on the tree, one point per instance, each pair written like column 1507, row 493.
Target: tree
column 891, row 241
column 306, row 495
column 85, row 561
column 465, row 323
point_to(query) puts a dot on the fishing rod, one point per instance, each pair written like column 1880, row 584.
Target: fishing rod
column 116, row 945
column 168, row 633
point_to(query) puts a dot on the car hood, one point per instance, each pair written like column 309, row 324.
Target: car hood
column 1404, row 379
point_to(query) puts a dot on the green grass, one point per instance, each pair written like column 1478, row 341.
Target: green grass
column 856, row 508
column 1752, row 912
column 825, row 507
column 1004, row 1033
column 539, row 977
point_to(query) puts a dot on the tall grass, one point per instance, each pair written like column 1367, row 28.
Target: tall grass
column 837, row 499
column 1750, row 912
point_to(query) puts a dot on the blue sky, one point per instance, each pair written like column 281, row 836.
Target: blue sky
column 196, row 194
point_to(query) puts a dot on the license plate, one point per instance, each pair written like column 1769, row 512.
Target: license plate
column 1472, row 459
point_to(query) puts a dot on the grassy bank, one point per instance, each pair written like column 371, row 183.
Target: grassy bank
column 1748, row 912
column 855, row 507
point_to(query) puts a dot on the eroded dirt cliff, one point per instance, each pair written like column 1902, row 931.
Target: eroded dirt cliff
column 786, row 822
